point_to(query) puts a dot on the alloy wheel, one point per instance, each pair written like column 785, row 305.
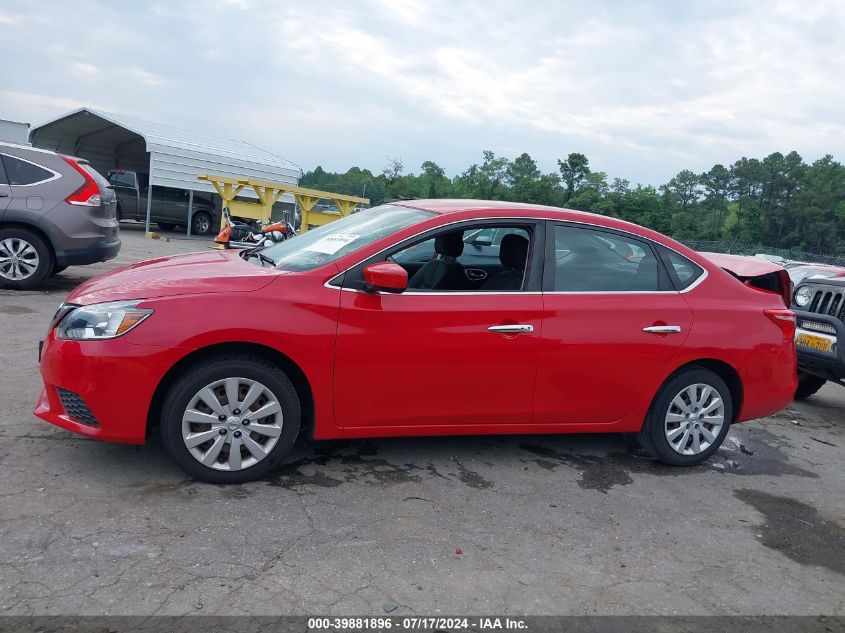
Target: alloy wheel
column 18, row 259
column 202, row 224
column 232, row 424
column 694, row 419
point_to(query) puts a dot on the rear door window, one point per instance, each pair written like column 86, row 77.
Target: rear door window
column 590, row 260
column 21, row 172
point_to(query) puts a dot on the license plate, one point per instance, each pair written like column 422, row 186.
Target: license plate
column 814, row 342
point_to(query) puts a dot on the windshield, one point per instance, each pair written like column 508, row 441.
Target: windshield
column 334, row 240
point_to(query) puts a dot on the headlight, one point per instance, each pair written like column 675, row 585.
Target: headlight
column 803, row 296
column 101, row 320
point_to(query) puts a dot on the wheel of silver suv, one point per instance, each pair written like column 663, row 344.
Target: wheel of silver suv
column 26, row 260
column 18, row 259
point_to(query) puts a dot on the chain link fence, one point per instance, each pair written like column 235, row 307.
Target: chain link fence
column 740, row 248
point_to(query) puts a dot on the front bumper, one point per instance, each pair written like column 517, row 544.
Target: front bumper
column 114, row 379
column 830, row 365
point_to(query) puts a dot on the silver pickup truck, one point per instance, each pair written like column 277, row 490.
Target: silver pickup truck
column 169, row 208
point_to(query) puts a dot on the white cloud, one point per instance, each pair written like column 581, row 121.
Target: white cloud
column 643, row 89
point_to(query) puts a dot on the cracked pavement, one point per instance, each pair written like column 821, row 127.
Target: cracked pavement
column 545, row 524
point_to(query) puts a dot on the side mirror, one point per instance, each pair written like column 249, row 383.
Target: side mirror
column 482, row 240
column 386, row 276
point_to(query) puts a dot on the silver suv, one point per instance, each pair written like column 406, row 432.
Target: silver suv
column 55, row 211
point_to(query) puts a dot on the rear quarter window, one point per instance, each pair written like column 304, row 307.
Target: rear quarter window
column 683, row 271
column 21, row 172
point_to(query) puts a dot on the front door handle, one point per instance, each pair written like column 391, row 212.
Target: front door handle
column 662, row 329
column 511, row 329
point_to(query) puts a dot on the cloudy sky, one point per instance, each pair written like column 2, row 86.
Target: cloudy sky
column 643, row 88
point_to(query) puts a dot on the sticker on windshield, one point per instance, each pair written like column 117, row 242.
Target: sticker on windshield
column 332, row 244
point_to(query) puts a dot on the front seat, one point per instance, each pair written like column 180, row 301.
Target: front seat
column 513, row 254
column 443, row 271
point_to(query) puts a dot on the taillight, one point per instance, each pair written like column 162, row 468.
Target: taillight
column 88, row 195
column 785, row 320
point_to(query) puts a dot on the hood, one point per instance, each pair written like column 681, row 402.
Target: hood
column 191, row 273
column 756, row 272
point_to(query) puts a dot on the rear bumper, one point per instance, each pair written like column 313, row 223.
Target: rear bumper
column 769, row 379
column 91, row 254
column 830, row 365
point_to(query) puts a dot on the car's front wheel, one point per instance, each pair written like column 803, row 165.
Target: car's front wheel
column 231, row 419
column 201, row 223
column 688, row 418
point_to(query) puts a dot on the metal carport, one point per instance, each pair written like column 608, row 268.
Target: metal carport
column 171, row 156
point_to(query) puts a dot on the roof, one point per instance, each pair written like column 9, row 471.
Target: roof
column 26, row 147
column 443, row 206
column 176, row 156
column 451, row 205
column 502, row 208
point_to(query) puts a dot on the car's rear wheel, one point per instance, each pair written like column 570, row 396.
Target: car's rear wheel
column 25, row 260
column 231, row 419
column 688, row 418
column 808, row 384
column 201, row 223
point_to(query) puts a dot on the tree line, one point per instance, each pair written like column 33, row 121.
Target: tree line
column 778, row 201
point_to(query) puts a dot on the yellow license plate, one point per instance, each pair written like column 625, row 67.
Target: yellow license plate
column 814, row 342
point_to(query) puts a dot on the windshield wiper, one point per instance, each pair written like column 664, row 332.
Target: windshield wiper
column 264, row 259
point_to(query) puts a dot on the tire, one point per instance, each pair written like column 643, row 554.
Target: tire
column 166, row 226
column 188, row 397
column 808, row 384
column 201, row 223
column 26, row 261
column 666, row 419
column 58, row 269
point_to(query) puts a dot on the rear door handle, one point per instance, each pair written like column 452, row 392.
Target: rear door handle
column 511, row 329
column 662, row 329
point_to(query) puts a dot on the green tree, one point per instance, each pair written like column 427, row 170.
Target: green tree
column 717, row 187
column 573, row 171
column 435, row 183
column 523, row 177
column 778, row 201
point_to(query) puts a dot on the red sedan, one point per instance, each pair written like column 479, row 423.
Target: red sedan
column 419, row 318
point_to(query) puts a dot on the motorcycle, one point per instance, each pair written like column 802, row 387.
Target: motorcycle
column 239, row 234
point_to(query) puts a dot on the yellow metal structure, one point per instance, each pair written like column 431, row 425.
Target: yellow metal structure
column 269, row 192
